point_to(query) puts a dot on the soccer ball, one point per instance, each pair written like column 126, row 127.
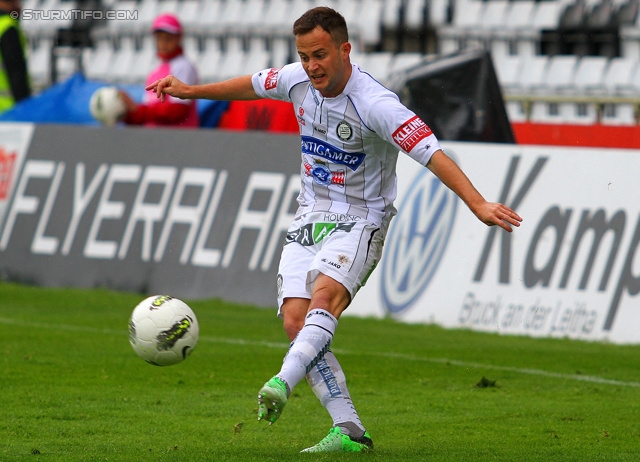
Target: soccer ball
column 163, row 330
column 107, row 106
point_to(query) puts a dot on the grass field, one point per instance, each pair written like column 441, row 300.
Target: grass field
column 73, row 390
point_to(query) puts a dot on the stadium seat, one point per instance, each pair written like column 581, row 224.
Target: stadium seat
column 38, row 62
column 209, row 64
column 532, row 72
column 589, row 75
column 464, row 32
column 97, row 61
column 618, row 78
column 275, row 16
column 438, row 13
column 563, row 113
column 366, row 24
column 402, row 61
column 379, row 64
column 559, row 74
column 209, row 21
column 519, row 18
column 414, row 14
column 281, row 53
column 618, row 114
column 508, row 71
column 515, row 111
column 232, row 64
column 123, row 63
column 189, row 12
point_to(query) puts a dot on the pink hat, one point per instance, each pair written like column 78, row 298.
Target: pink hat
column 167, row 22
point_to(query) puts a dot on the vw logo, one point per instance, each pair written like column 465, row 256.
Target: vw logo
column 417, row 241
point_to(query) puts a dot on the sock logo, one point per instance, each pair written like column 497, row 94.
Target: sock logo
column 329, row 379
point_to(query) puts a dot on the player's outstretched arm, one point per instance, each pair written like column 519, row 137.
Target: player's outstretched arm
column 490, row 213
column 237, row 88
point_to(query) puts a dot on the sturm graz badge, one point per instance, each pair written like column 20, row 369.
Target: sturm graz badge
column 344, row 131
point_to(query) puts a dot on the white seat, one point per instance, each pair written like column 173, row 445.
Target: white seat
column 618, row 78
column 515, row 111
column 115, row 29
column 349, row 9
column 281, row 51
column 232, row 64
column 147, row 12
column 295, row 10
column 122, row 64
column 255, row 60
column 545, row 15
column 464, row 32
column 97, row 62
column 167, row 6
column 366, row 25
column 415, row 13
column 378, row 65
column 495, row 14
column 563, row 113
column 189, row 12
column 618, row 114
column 209, row 20
column 231, row 16
column 518, row 18
column 532, row 73
column 559, row 74
column 209, row 65
column 508, row 72
column 253, row 16
column 275, row 16
column 438, row 12
column 402, row 61
column 145, row 61
column 391, row 14
column 38, row 63
column 589, row 75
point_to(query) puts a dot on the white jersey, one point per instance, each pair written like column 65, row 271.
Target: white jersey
column 350, row 143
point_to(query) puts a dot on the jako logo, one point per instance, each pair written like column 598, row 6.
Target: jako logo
column 417, row 240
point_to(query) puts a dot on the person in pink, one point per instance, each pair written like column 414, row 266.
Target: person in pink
column 167, row 31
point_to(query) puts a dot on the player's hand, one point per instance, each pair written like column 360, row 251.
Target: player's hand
column 129, row 103
column 491, row 213
column 168, row 85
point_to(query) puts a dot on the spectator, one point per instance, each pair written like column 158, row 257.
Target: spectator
column 14, row 77
column 167, row 31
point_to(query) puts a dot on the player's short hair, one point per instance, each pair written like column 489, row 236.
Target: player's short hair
column 327, row 19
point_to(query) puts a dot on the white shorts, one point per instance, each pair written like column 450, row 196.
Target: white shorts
column 346, row 251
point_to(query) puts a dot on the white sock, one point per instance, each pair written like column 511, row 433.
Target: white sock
column 328, row 382
column 308, row 347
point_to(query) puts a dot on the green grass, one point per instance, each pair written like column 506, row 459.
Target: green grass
column 73, row 390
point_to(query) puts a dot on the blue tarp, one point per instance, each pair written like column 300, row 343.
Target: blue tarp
column 68, row 103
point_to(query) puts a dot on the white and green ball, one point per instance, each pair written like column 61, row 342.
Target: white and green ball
column 106, row 105
column 163, row 330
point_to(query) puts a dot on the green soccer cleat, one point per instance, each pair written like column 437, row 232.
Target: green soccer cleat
column 272, row 398
column 336, row 441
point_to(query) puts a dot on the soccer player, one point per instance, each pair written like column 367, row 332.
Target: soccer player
column 352, row 129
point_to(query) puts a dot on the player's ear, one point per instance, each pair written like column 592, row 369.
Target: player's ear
column 345, row 49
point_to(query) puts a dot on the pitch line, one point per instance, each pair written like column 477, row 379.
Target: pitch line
column 284, row 346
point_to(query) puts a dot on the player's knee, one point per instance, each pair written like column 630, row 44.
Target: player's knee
column 292, row 325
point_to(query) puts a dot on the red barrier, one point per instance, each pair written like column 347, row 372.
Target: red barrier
column 264, row 114
column 604, row 136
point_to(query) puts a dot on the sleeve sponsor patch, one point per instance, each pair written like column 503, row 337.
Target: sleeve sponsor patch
column 411, row 133
column 271, row 81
